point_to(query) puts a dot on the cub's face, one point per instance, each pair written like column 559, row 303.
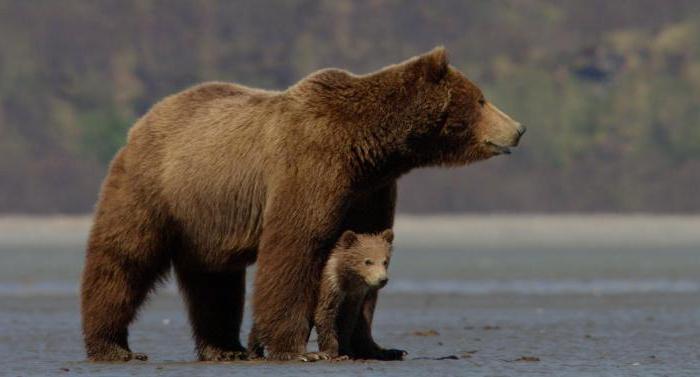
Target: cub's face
column 365, row 257
column 373, row 267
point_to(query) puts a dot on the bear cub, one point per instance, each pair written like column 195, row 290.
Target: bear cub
column 356, row 267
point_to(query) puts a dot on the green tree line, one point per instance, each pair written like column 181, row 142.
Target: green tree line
column 610, row 91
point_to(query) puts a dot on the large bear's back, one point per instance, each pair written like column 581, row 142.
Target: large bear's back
column 202, row 151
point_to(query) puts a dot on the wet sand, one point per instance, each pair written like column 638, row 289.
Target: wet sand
column 496, row 301
column 579, row 335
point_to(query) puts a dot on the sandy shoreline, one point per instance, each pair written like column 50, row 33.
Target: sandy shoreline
column 524, row 230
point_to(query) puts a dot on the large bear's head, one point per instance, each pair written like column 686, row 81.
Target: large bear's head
column 419, row 112
column 460, row 124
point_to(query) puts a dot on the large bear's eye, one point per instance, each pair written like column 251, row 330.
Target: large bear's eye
column 386, row 263
column 482, row 102
column 456, row 127
column 368, row 262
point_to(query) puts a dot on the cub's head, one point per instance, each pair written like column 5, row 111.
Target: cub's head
column 451, row 121
column 364, row 258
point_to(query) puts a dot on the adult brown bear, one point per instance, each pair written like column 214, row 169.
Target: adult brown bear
column 218, row 175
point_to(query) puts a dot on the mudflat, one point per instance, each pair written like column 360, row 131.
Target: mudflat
column 471, row 295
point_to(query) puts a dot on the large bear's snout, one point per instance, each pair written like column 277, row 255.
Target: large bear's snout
column 499, row 131
column 521, row 131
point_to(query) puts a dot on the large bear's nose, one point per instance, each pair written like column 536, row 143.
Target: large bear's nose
column 521, row 129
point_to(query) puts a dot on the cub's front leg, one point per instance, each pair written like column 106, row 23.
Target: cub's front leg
column 372, row 214
column 363, row 345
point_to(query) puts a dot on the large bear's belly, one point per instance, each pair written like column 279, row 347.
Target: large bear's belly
column 223, row 225
column 226, row 204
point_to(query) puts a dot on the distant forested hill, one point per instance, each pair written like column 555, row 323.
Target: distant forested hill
column 609, row 90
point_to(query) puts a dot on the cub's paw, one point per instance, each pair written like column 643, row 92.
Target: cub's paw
column 216, row 354
column 377, row 353
column 391, row 354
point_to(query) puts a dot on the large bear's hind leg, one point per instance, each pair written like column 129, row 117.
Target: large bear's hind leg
column 126, row 256
column 215, row 303
column 111, row 296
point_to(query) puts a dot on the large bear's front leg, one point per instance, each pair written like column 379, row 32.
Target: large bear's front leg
column 373, row 213
column 300, row 225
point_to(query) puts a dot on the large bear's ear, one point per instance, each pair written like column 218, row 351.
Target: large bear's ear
column 434, row 65
column 348, row 239
column 388, row 235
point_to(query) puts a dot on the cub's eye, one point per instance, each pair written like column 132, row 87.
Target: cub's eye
column 482, row 102
column 368, row 262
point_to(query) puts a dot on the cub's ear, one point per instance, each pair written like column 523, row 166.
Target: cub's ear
column 434, row 64
column 388, row 235
column 348, row 239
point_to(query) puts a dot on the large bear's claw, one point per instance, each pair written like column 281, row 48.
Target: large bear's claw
column 119, row 355
column 214, row 354
column 304, row 357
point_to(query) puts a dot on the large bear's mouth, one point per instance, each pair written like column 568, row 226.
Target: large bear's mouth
column 497, row 149
column 498, row 131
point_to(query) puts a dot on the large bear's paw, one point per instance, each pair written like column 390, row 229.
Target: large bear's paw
column 217, row 354
column 305, row 357
column 116, row 354
column 340, row 358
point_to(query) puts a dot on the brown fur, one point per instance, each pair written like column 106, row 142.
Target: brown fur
column 346, row 282
column 356, row 267
column 220, row 175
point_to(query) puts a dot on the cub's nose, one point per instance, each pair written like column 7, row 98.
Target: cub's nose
column 383, row 281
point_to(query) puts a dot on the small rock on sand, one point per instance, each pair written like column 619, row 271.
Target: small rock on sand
column 429, row 332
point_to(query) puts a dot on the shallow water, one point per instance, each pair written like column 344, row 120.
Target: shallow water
column 622, row 298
